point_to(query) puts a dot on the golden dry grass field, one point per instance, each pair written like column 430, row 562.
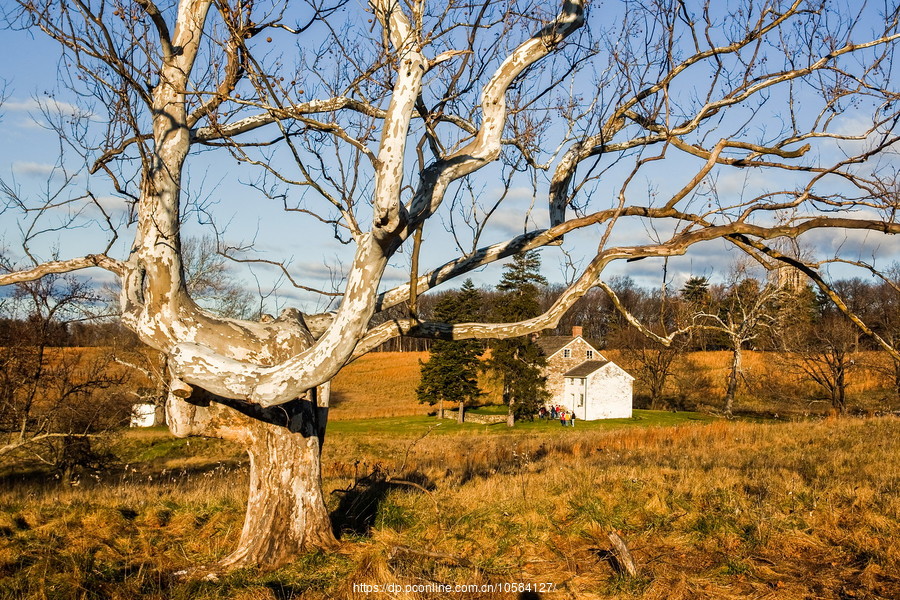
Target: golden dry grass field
column 710, row 509
column 794, row 511
column 379, row 384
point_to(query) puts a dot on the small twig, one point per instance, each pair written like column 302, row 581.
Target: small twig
column 413, row 443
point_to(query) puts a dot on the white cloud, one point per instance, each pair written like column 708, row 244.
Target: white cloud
column 507, row 223
column 32, row 169
column 28, row 122
column 114, row 204
column 853, row 244
column 50, row 105
column 317, row 271
column 516, row 216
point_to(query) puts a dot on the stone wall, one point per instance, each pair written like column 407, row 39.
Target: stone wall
column 558, row 364
column 475, row 418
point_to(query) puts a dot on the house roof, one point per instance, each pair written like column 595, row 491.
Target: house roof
column 551, row 344
column 586, row 368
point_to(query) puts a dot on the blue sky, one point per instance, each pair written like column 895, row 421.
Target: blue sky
column 29, row 154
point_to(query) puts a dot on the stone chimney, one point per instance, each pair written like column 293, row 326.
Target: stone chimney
column 576, row 331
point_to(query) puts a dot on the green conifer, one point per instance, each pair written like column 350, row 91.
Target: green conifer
column 518, row 363
column 451, row 373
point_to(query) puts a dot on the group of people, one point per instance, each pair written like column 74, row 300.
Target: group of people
column 566, row 417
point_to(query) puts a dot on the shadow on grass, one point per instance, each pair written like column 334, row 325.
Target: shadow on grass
column 336, row 398
column 31, row 477
column 365, row 504
column 31, row 480
column 285, row 592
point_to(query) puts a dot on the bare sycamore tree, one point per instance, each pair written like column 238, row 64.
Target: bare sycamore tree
column 381, row 127
column 211, row 284
column 743, row 311
column 825, row 351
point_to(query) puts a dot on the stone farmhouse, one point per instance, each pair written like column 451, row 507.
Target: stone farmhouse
column 583, row 380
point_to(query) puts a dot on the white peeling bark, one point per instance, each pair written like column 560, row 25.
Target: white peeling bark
column 390, row 215
column 485, row 147
column 286, row 513
column 205, row 365
column 63, row 266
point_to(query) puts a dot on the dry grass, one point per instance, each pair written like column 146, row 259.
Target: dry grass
column 772, row 382
column 727, row 510
column 380, row 384
column 383, row 384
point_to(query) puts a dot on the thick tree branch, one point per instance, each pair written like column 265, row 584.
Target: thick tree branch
column 162, row 28
column 64, row 266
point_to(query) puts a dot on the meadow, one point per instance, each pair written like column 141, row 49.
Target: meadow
column 797, row 507
column 709, row 509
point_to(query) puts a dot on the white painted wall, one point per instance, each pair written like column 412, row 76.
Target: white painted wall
column 143, row 415
column 604, row 394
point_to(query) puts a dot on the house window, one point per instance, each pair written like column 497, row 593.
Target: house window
column 567, row 353
column 590, row 354
column 580, row 399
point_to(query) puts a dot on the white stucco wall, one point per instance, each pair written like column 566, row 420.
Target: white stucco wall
column 143, row 415
column 607, row 394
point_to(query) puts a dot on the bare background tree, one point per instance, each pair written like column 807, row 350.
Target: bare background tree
column 654, row 360
column 886, row 307
column 745, row 310
column 825, row 349
column 55, row 401
column 446, row 113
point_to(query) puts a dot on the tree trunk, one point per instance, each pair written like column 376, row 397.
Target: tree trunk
column 897, row 379
column 286, row 512
column 733, row 373
column 159, row 413
column 510, row 402
column 838, row 396
column 656, row 402
column 461, row 415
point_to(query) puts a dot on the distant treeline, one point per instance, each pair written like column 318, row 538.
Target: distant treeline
column 109, row 332
column 876, row 302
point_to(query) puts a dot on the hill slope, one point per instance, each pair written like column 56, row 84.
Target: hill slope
column 380, row 384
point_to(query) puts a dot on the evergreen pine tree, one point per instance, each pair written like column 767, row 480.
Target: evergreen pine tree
column 696, row 291
column 518, row 363
column 698, row 299
column 451, row 373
